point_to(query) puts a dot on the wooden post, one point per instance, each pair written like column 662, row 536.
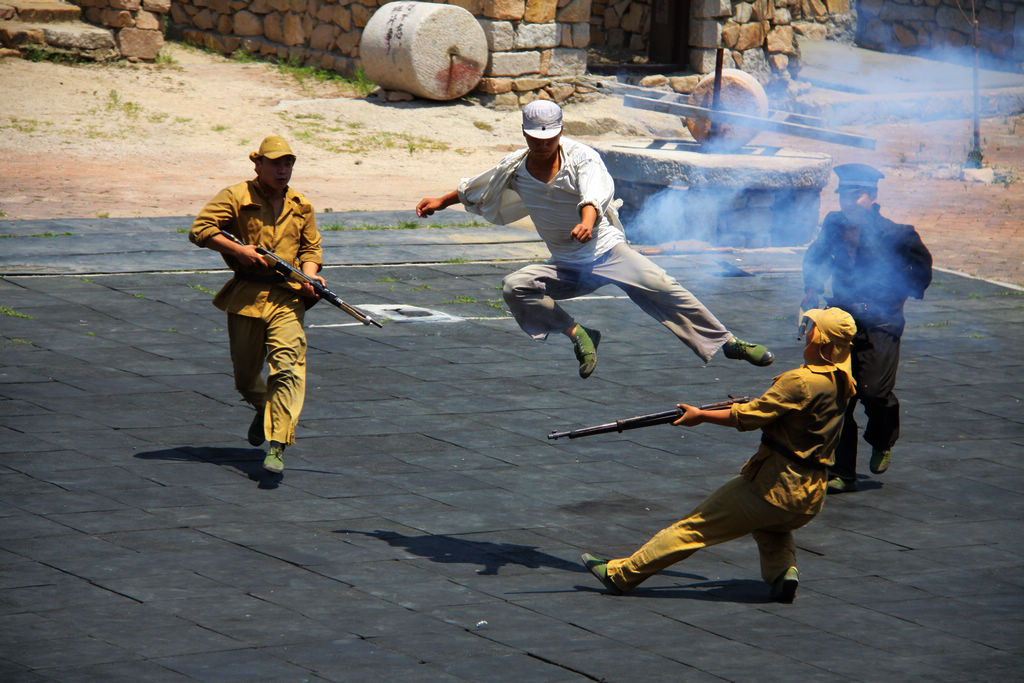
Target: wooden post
column 716, row 95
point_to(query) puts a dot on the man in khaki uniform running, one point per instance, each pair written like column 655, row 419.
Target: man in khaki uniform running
column 265, row 311
column 782, row 487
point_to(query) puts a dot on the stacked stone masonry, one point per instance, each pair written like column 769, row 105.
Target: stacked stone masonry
column 137, row 24
column 759, row 36
column 916, row 27
column 621, row 24
column 536, row 46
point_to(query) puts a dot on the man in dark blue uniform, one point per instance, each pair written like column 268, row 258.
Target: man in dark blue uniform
column 874, row 265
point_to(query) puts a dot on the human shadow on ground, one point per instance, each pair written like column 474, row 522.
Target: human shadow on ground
column 449, row 550
column 248, row 461
column 725, row 590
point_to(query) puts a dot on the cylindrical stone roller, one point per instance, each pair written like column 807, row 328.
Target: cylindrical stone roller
column 741, row 94
column 430, row 50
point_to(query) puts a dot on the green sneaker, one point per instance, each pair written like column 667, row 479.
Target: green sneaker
column 756, row 354
column 840, row 485
column 784, row 587
column 880, row 460
column 274, row 462
column 256, row 434
column 599, row 568
column 584, row 345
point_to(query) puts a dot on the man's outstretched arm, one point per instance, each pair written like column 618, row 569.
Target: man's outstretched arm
column 428, row 205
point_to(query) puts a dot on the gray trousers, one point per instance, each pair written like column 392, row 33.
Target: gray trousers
column 532, row 294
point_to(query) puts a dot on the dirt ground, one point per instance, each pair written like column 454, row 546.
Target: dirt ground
column 136, row 140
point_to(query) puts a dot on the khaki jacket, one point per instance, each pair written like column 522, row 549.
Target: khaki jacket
column 246, row 212
column 801, row 414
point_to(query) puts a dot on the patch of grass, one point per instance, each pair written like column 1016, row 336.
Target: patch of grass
column 461, row 299
column 139, row 296
column 243, row 57
column 103, row 214
column 15, row 314
column 944, row 323
column 181, row 119
column 496, row 303
column 456, row 260
column 421, row 288
column 219, row 128
column 342, row 137
column 128, row 108
column 87, row 280
column 23, row 125
column 404, row 225
column 90, row 334
column 483, row 125
column 204, row 290
column 18, row 340
column 181, row 231
column 165, row 58
column 388, row 279
column 36, row 53
column 975, row 336
column 302, row 73
column 157, row 118
column 40, row 234
column 1010, row 293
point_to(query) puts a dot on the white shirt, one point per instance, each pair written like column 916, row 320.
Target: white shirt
column 508, row 192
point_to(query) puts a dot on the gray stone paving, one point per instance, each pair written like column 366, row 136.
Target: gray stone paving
column 425, row 528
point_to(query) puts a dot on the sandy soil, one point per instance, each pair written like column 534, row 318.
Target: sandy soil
column 129, row 140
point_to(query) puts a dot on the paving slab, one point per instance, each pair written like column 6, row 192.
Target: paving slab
column 426, row 528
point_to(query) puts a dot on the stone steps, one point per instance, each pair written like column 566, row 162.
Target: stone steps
column 53, row 26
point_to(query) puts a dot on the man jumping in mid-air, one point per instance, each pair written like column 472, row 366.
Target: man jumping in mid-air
column 566, row 190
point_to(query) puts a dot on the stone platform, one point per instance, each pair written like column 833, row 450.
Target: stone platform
column 756, row 197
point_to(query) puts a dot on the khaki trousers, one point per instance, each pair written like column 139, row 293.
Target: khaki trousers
column 276, row 337
column 732, row 511
column 532, row 294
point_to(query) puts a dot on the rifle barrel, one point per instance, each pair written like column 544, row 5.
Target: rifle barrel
column 640, row 421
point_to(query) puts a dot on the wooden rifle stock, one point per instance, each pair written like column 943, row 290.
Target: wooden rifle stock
column 287, row 270
column 649, row 420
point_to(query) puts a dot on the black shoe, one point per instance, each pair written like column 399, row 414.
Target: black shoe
column 784, row 587
column 599, row 568
column 840, row 485
column 584, row 345
column 256, row 436
column 756, row 354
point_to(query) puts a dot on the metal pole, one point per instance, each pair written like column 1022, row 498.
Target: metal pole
column 974, row 156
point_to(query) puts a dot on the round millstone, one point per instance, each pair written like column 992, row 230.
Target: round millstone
column 430, row 50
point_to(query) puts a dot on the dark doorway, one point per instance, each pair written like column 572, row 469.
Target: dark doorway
column 670, row 32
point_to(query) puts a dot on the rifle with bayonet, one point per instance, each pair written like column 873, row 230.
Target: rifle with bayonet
column 287, row 270
column 649, row 420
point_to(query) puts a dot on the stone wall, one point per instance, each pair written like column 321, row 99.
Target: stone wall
column 537, row 49
column 536, row 45
column 758, row 35
column 621, row 24
column 137, row 24
column 944, row 26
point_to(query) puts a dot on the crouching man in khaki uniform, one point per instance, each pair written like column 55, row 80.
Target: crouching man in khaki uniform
column 782, row 487
column 265, row 311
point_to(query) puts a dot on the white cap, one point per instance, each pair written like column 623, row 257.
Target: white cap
column 542, row 119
